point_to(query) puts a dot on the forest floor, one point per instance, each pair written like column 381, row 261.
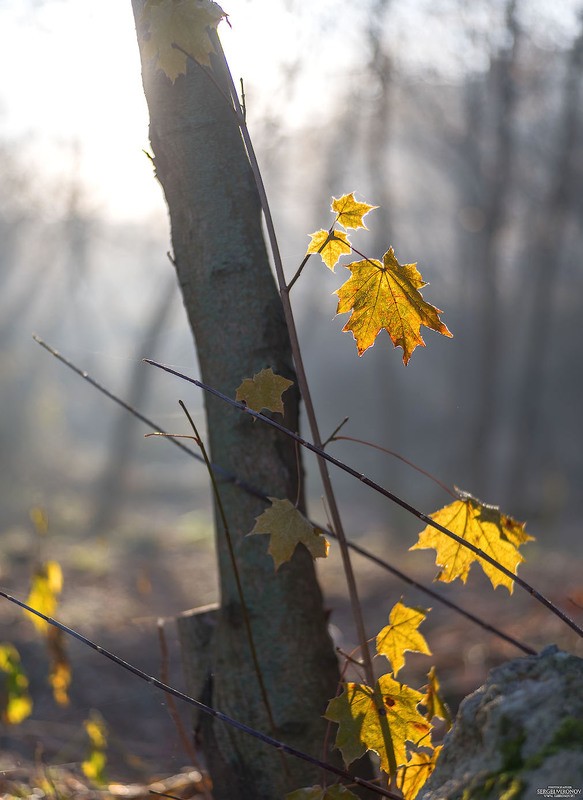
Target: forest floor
column 119, row 590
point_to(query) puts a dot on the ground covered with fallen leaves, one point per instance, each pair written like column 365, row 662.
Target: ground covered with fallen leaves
column 115, row 590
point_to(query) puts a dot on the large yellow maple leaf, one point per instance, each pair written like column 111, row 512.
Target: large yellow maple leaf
column 401, row 635
column 485, row 527
column 382, row 719
column 178, row 22
column 287, row 527
column 387, row 296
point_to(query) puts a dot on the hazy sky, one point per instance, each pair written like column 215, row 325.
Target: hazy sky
column 72, row 80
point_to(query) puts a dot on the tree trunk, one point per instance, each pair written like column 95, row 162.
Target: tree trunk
column 235, row 314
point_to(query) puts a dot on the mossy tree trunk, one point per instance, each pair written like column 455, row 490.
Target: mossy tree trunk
column 236, row 317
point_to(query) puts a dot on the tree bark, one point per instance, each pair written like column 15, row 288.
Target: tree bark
column 236, row 317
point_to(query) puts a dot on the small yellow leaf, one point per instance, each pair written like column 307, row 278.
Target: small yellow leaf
column 15, row 701
column 287, row 528
column 401, row 635
column 94, row 765
column 483, row 526
column 387, row 296
column 330, row 246
column 350, row 212
column 336, row 792
column 433, row 702
column 178, row 22
column 381, row 720
column 415, row 773
column 47, row 584
column 264, row 390
column 60, row 673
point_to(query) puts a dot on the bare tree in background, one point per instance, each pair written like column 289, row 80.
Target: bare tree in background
column 542, row 265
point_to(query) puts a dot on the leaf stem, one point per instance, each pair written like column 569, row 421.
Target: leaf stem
column 300, row 371
column 431, row 477
column 300, row 270
column 427, row 520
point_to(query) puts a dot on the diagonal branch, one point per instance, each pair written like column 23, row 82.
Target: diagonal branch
column 427, row 520
column 228, row 476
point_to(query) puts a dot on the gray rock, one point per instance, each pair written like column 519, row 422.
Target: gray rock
column 520, row 735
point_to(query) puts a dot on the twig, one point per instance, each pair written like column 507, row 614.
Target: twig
column 381, row 490
column 285, row 748
column 187, row 745
column 431, row 477
column 224, row 474
column 235, row 568
column 227, row 476
column 333, row 436
column 306, row 259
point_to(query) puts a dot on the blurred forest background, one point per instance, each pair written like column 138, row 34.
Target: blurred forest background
column 464, row 123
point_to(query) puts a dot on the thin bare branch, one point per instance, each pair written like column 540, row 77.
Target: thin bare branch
column 227, row 476
column 292, row 751
column 381, row 490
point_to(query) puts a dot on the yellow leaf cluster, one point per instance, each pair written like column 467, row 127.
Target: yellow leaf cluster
column 496, row 534
column 264, row 390
column 287, row 528
column 379, row 295
column 333, row 243
column 15, row 701
column 173, row 24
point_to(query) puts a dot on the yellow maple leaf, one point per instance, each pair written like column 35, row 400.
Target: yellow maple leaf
column 335, row 792
column 15, row 701
column 263, row 390
column 401, row 635
column 349, row 211
column 483, row 526
column 434, row 704
column 382, row 719
column 330, row 245
column 287, row 527
column 46, row 586
column 178, row 22
column 387, row 296
column 416, row 771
